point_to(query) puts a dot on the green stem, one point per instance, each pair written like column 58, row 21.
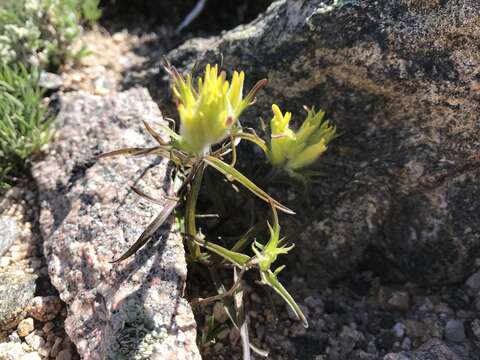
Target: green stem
column 190, row 212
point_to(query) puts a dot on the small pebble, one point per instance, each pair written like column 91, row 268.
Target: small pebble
column 57, row 347
column 222, row 335
column 13, row 337
column 399, row 330
column 26, row 347
column 416, row 329
column 25, row 327
column 64, row 355
column 219, row 312
column 9, row 350
column 44, row 350
column 255, row 298
column 455, row 331
column 51, row 337
column 443, row 308
column 34, row 341
column 473, row 282
column 314, row 302
column 399, row 301
column 31, row 356
column 48, row 327
column 406, row 344
column 4, row 262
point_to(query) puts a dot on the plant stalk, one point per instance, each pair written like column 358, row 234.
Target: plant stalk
column 190, row 214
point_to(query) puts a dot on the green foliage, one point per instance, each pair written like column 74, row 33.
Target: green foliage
column 295, row 150
column 41, row 32
column 34, row 34
column 91, row 11
column 210, row 132
column 23, row 125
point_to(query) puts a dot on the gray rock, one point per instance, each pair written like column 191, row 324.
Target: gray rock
column 50, row 81
column 393, row 299
column 348, row 338
column 401, row 184
column 89, row 216
column 416, row 329
column 8, row 233
column 473, row 282
column 16, row 291
column 399, row 330
column 455, row 331
column 432, row 349
column 475, row 325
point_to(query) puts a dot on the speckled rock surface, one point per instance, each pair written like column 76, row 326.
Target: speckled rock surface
column 401, row 81
column 89, row 216
column 8, row 233
column 433, row 349
column 16, row 291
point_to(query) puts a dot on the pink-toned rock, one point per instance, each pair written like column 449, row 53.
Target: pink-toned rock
column 90, row 217
column 44, row 308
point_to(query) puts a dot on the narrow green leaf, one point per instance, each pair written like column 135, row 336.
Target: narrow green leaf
column 270, row 279
column 252, row 138
column 154, row 134
column 147, row 196
column 232, row 256
column 124, row 151
column 136, row 151
column 248, row 236
column 150, row 230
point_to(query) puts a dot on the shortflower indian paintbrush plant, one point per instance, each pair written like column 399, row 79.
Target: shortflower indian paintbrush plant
column 209, row 112
column 295, row 150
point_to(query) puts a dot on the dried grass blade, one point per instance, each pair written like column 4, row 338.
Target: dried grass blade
column 150, row 230
column 125, row 151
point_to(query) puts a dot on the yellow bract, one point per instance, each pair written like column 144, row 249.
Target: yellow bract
column 296, row 150
column 208, row 112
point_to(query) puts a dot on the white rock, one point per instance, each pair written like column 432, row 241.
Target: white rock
column 11, row 351
column 31, row 356
column 34, row 341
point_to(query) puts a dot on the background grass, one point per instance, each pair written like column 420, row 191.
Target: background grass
column 23, row 124
column 35, row 35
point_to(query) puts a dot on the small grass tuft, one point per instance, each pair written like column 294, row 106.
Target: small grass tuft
column 23, row 124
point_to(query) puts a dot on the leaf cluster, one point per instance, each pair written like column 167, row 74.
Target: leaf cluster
column 34, row 35
column 23, row 121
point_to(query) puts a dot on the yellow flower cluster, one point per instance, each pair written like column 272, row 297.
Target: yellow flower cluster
column 208, row 112
column 296, row 150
